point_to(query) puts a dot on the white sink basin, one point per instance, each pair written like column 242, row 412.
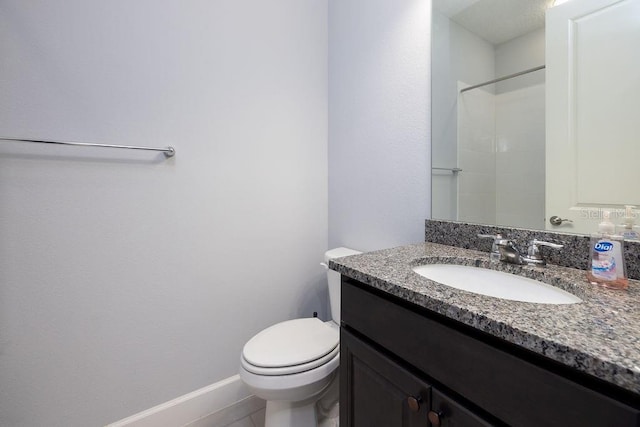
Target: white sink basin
column 496, row 284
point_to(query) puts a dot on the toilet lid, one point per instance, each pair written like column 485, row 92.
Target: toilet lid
column 292, row 342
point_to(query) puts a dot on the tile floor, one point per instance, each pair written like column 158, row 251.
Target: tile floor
column 255, row 419
column 248, row 412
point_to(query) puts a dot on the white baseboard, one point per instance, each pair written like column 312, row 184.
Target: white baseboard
column 190, row 407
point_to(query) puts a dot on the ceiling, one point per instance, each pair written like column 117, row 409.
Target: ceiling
column 496, row 21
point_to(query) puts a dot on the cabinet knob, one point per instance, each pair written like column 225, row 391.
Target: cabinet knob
column 414, row 403
column 434, row 417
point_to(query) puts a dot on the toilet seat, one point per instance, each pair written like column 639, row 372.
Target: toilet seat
column 293, row 387
column 291, row 347
column 288, row 370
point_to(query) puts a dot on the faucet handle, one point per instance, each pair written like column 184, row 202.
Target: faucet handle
column 533, row 252
column 490, row 236
column 536, row 242
column 496, row 237
column 497, row 241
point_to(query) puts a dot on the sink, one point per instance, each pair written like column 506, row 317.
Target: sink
column 496, row 284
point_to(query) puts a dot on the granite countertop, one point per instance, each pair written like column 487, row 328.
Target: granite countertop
column 599, row 336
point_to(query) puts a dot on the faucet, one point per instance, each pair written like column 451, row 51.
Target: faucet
column 498, row 241
column 534, row 256
column 505, row 250
column 509, row 253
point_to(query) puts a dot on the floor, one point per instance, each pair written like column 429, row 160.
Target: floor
column 248, row 412
column 257, row 420
column 254, row 420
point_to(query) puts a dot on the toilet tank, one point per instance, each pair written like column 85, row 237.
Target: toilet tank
column 333, row 279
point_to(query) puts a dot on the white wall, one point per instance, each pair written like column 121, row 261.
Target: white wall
column 519, row 54
column 459, row 56
column 520, row 133
column 520, row 157
column 379, row 156
column 126, row 279
column 444, row 105
column 476, row 156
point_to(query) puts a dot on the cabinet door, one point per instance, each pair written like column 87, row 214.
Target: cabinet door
column 375, row 391
column 520, row 392
column 445, row 412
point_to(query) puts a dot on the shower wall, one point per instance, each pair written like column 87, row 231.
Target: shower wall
column 519, row 157
column 520, row 132
column 501, row 154
column 476, row 156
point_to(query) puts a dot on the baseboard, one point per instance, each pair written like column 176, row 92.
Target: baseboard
column 193, row 406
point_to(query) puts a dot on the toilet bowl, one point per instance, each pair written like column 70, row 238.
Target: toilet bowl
column 293, row 365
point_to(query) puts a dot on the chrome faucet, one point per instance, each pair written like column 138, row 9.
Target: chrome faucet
column 509, row 252
column 498, row 241
column 534, row 256
column 505, row 250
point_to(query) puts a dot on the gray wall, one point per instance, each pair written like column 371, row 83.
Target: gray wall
column 127, row 280
column 379, row 108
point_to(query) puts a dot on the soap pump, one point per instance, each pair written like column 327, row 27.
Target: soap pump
column 607, row 262
column 627, row 228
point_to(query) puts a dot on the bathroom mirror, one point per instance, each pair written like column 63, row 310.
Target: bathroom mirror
column 557, row 134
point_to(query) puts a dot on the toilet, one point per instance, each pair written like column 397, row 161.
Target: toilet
column 293, row 365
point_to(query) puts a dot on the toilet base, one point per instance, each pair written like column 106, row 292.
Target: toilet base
column 281, row 413
column 319, row 410
column 285, row 414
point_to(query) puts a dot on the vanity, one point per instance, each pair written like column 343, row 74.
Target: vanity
column 415, row 352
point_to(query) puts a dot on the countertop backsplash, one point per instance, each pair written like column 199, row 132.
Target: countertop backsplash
column 575, row 253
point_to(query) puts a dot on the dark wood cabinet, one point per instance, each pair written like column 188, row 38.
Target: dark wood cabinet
column 379, row 391
column 393, row 351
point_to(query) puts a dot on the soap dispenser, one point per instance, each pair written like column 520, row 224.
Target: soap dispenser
column 627, row 228
column 607, row 262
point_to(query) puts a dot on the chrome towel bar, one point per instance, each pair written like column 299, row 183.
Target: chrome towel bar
column 168, row 151
column 454, row 170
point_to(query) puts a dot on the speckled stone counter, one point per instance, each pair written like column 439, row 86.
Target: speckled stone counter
column 599, row 336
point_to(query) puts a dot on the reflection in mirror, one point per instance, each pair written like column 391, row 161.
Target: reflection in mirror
column 493, row 133
column 491, row 129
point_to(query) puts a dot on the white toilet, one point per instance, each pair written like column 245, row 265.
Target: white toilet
column 293, row 365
